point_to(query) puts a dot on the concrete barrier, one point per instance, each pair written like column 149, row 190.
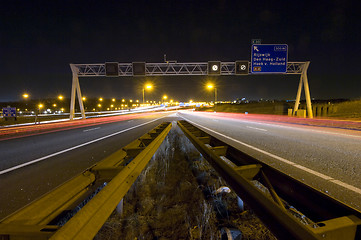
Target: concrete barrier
column 301, row 113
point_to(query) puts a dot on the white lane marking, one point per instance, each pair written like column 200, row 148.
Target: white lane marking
column 295, row 127
column 314, row 172
column 325, row 177
column 91, row 129
column 130, row 121
column 309, row 130
column 75, row 147
column 260, row 129
column 345, row 185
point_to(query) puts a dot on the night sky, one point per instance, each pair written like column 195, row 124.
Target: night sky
column 38, row 40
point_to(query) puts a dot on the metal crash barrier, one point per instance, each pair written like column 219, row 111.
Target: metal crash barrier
column 48, row 217
column 290, row 208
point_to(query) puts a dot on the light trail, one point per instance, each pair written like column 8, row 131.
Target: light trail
column 75, row 147
column 32, row 130
column 283, row 122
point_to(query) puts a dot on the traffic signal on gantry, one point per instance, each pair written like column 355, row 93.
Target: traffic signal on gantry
column 242, row 67
column 138, row 68
column 111, row 69
column 214, row 68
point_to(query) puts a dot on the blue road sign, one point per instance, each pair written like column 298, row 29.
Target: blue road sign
column 9, row 112
column 269, row 58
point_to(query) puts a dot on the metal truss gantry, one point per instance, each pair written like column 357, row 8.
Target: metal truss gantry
column 179, row 69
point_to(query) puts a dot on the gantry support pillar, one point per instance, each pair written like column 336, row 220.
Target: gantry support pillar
column 75, row 87
column 304, row 80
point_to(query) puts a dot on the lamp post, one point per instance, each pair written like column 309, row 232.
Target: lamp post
column 40, row 106
column 147, row 86
column 26, row 96
column 60, row 97
column 211, row 86
column 165, row 98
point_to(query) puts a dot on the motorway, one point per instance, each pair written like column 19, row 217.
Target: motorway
column 325, row 158
column 33, row 164
column 329, row 159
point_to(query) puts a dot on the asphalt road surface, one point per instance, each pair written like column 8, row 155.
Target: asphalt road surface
column 329, row 159
column 325, row 158
column 32, row 165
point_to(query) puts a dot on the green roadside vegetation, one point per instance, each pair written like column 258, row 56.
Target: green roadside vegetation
column 338, row 109
column 349, row 109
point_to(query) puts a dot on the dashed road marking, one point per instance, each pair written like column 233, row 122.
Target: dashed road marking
column 91, row 129
column 260, row 129
column 75, row 147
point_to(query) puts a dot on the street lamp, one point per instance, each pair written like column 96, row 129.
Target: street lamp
column 26, row 96
column 148, row 87
column 165, row 98
column 40, row 106
column 210, row 87
column 60, row 97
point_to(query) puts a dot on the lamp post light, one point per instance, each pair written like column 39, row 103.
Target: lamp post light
column 210, row 87
column 37, row 112
column 26, row 96
column 147, row 86
column 60, row 97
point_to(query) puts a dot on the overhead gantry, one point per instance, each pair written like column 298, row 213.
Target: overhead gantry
column 213, row 68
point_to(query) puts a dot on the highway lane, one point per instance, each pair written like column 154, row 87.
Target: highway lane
column 332, row 155
column 328, row 159
column 55, row 157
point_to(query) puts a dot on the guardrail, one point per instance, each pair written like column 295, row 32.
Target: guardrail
column 290, row 208
column 43, row 218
